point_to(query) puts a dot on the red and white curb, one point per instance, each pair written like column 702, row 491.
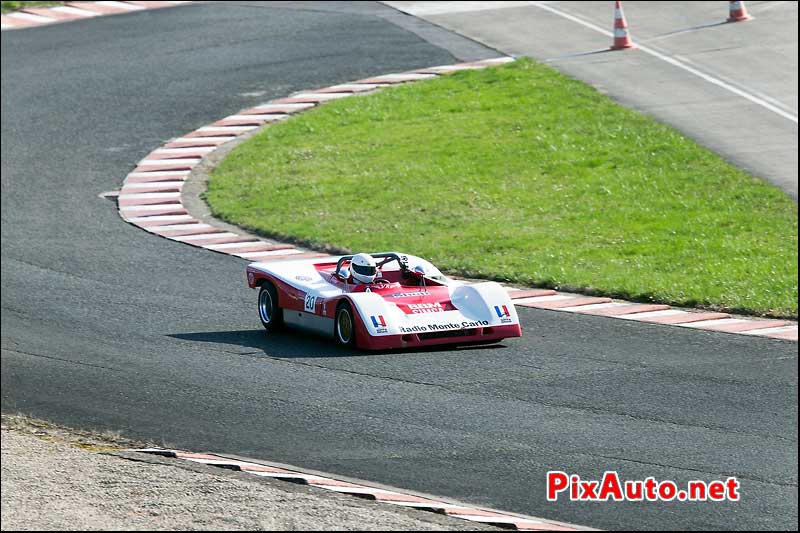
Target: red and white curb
column 382, row 495
column 654, row 313
column 151, row 194
column 151, row 199
column 40, row 16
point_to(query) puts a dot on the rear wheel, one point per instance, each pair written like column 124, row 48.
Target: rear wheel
column 268, row 311
column 344, row 326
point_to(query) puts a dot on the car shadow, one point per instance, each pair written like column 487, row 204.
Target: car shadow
column 302, row 345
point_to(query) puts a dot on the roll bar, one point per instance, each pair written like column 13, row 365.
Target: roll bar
column 387, row 257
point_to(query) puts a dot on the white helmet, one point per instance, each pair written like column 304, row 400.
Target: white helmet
column 363, row 268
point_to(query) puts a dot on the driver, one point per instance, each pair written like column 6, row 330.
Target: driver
column 363, row 268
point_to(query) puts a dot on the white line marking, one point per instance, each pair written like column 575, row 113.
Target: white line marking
column 675, row 62
column 769, row 99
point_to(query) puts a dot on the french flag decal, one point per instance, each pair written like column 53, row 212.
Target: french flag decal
column 501, row 311
column 378, row 321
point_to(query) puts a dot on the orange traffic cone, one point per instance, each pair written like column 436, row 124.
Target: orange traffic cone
column 621, row 38
column 737, row 12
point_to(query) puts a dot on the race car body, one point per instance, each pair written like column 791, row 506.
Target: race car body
column 409, row 304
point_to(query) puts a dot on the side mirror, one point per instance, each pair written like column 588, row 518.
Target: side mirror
column 344, row 273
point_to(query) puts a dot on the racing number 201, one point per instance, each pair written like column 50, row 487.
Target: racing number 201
column 311, row 302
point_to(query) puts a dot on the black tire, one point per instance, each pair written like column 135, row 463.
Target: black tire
column 268, row 311
column 344, row 325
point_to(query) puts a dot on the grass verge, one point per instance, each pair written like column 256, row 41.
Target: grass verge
column 520, row 173
column 10, row 5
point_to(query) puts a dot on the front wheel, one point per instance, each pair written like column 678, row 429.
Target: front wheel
column 344, row 326
column 268, row 311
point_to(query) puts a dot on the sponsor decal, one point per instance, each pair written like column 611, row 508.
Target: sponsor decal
column 444, row 327
column 425, row 308
column 502, row 314
column 407, row 294
column 415, row 329
column 474, row 324
column 379, row 323
column 302, row 278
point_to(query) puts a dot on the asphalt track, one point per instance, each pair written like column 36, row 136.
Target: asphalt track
column 105, row 326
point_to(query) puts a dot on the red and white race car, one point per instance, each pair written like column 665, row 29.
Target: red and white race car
column 409, row 303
